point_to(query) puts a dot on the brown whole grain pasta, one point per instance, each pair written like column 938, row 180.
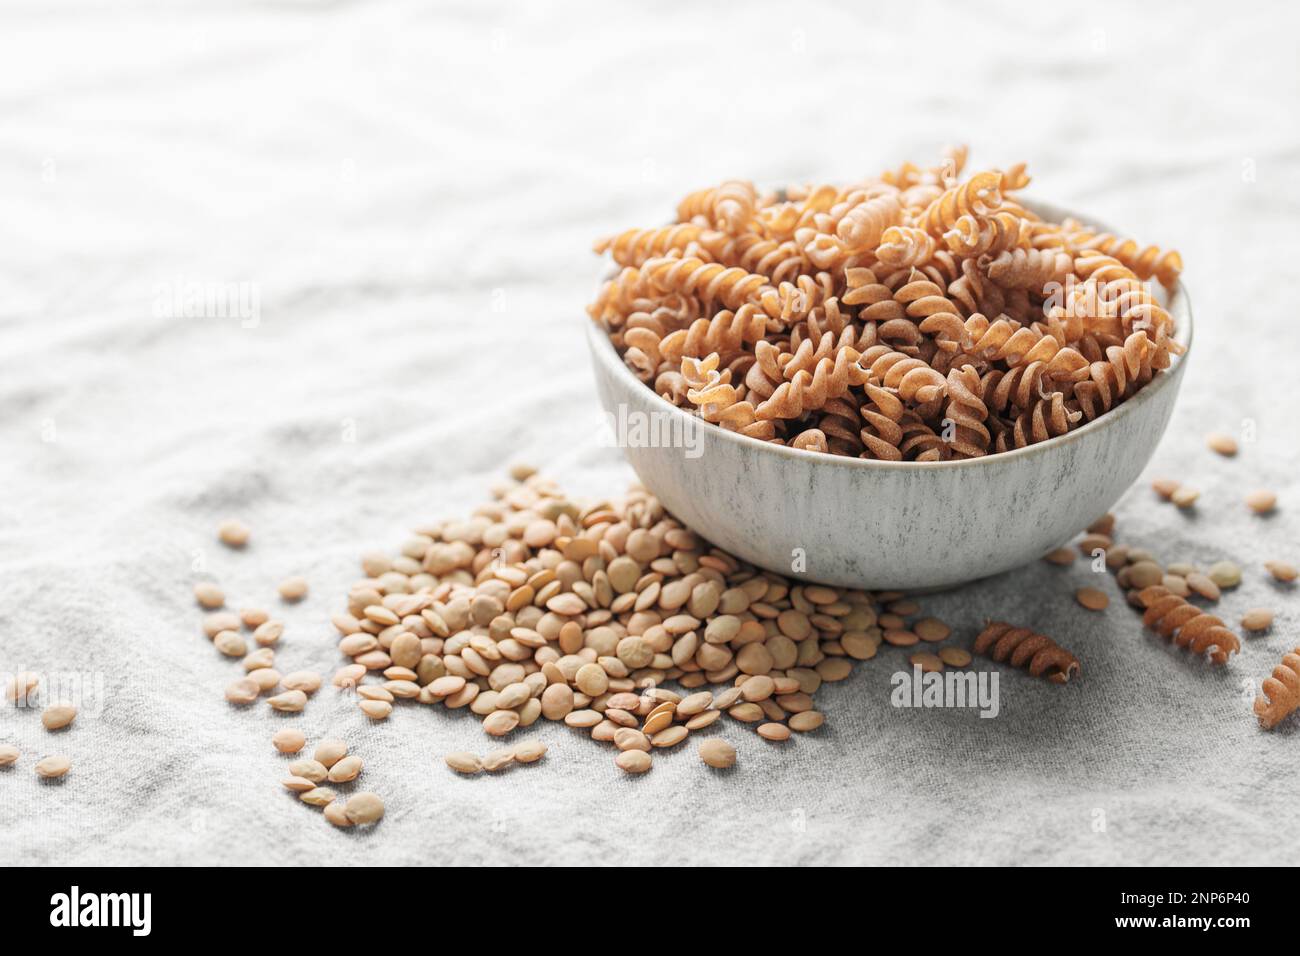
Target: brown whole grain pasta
column 966, row 413
column 862, row 227
column 1145, row 262
column 718, row 401
column 1043, row 420
column 977, row 197
column 1186, row 624
column 1029, row 268
column 1022, row 647
column 1281, row 692
column 729, row 207
column 902, row 247
column 908, row 300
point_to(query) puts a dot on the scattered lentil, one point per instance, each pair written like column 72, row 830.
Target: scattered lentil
column 628, row 738
column 1282, row 571
column 929, row 663
column 21, row 686
column 345, row 769
column 499, row 759
column 309, row 769
column 336, row 813
column 1261, row 502
column 52, row 767
column 633, row 761
column 670, row 736
column 291, row 701
column 233, row 533
column 58, row 716
column 529, row 751
column 252, row 617
column 317, row 796
column 209, row 595
column 1225, row 574
column 1203, row 585
column 462, row 761
column 931, row 629
column 242, row 691
column 717, row 753
column 702, row 720
column 231, row 643
column 1143, row 574
column 289, row 740
column 954, row 656
column 900, row 638
column 1257, row 619
column 306, row 681
column 1092, row 599
column 330, row 751
column 1164, row 487
column 268, row 632
column 1225, row 445
column 293, row 589
column 806, row 721
column 499, row 723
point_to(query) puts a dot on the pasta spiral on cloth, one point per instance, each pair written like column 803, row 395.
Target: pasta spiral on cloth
column 909, row 316
column 1281, row 693
column 1186, row 624
column 1021, row 647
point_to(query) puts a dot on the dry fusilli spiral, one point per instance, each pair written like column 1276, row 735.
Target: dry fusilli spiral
column 1281, row 692
column 726, row 332
column 635, row 246
column 1186, row 624
column 864, row 224
column 718, row 400
column 1146, row 262
column 1021, row 647
column 729, row 207
column 966, row 413
column 977, row 197
column 902, row 247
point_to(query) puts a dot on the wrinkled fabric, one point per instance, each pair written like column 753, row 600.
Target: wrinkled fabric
column 323, row 267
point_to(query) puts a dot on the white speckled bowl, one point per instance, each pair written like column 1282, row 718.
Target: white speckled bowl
column 891, row 525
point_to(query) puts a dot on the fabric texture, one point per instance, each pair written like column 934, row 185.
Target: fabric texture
column 323, row 267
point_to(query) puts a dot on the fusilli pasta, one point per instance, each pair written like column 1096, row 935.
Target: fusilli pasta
column 911, row 316
column 1021, row 647
column 1281, row 692
column 1186, row 624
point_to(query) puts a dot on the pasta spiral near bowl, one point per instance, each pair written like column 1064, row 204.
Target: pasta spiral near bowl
column 913, row 337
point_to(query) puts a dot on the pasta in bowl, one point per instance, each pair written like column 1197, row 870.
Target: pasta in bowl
column 896, row 437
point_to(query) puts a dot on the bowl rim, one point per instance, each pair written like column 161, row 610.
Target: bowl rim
column 1179, row 305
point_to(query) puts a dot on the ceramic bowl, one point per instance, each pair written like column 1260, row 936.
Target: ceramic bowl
column 885, row 525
